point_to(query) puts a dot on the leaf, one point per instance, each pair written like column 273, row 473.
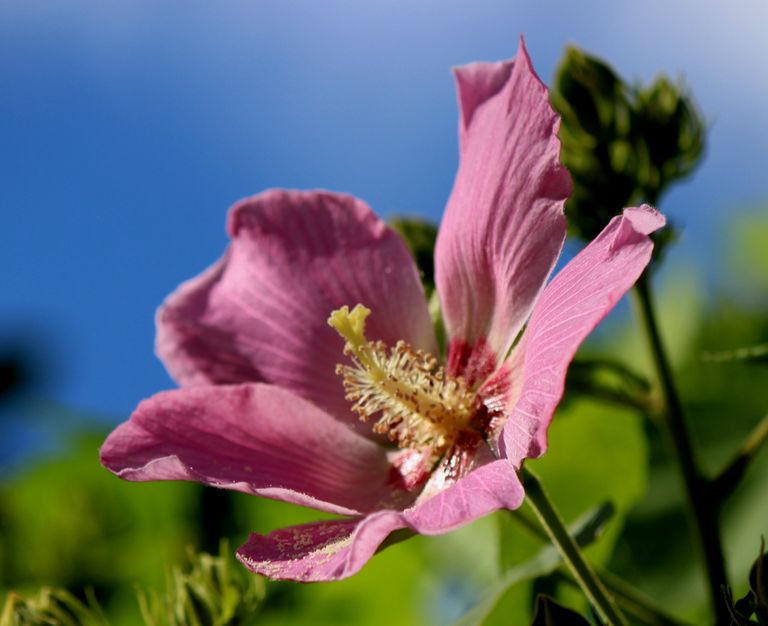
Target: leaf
column 584, row 531
column 608, row 379
column 211, row 590
column 758, row 585
column 550, row 613
column 52, row 606
column 420, row 237
column 596, row 453
column 757, row 353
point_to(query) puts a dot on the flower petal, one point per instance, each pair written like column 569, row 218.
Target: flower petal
column 485, row 489
column 322, row 551
column 570, row 307
column 503, row 227
column 260, row 314
column 255, row 438
column 476, row 83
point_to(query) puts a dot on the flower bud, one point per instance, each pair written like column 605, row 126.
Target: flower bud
column 597, row 146
column 622, row 144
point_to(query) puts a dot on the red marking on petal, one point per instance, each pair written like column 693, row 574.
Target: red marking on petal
column 459, row 460
column 473, row 362
column 493, row 402
column 410, row 469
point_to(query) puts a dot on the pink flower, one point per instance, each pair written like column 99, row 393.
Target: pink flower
column 389, row 439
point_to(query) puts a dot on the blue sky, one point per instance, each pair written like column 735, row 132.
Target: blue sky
column 127, row 128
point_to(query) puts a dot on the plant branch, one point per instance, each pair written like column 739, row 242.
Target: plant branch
column 569, row 550
column 703, row 508
column 629, row 599
column 725, row 482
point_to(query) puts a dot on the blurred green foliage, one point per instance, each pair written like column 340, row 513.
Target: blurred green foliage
column 57, row 607
column 585, row 532
column 420, row 237
column 550, row 613
column 213, row 591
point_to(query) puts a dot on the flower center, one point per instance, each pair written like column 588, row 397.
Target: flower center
column 416, row 404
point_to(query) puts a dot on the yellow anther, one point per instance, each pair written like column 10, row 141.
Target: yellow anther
column 413, row 399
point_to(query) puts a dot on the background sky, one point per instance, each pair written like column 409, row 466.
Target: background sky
column 128, row 128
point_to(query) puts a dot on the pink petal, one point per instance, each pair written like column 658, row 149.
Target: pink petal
column 255, row 438
column 570, row 307
column 485, row 489
column 323, row 551
column 260, row 314
column 503, row 227
column 478, row 82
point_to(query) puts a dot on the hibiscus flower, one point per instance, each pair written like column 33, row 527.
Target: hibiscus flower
column 307, row 359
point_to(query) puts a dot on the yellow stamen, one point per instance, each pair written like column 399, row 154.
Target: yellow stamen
column 417, row 405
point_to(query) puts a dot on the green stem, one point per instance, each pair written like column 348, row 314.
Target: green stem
column 725, row 482
column 558, row 533
column 629, row 599
column 703, row 507
column 636, row 603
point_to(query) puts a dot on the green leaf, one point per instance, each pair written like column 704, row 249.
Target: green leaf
column 746, row 255
column 596, row 453
column 585, row 531
column 212, row 590
column 607, row 379
column 757, row 353
column 420, row 237
column 550, row 613
column 758, row 585
column 52, row 606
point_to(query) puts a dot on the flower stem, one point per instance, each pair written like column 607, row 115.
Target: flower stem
column 725, row 482
column 558, row 533
column 703, row 507
column 630, row 600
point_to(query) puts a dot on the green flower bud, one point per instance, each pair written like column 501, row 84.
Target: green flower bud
column 623, row 145
column 597, row 145
column 672, row 132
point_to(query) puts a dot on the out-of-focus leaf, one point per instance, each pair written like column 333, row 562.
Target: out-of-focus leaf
column 758, row 353
column 597, row 453
column 726, row 482
column 420, row 237
column 746, row 256
column 755, row 602
column 108, row 533
column 758, row 585
column 586, row 530
column 723, row 411
column 550, row 613
column 610, row 380
column 739, row 610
